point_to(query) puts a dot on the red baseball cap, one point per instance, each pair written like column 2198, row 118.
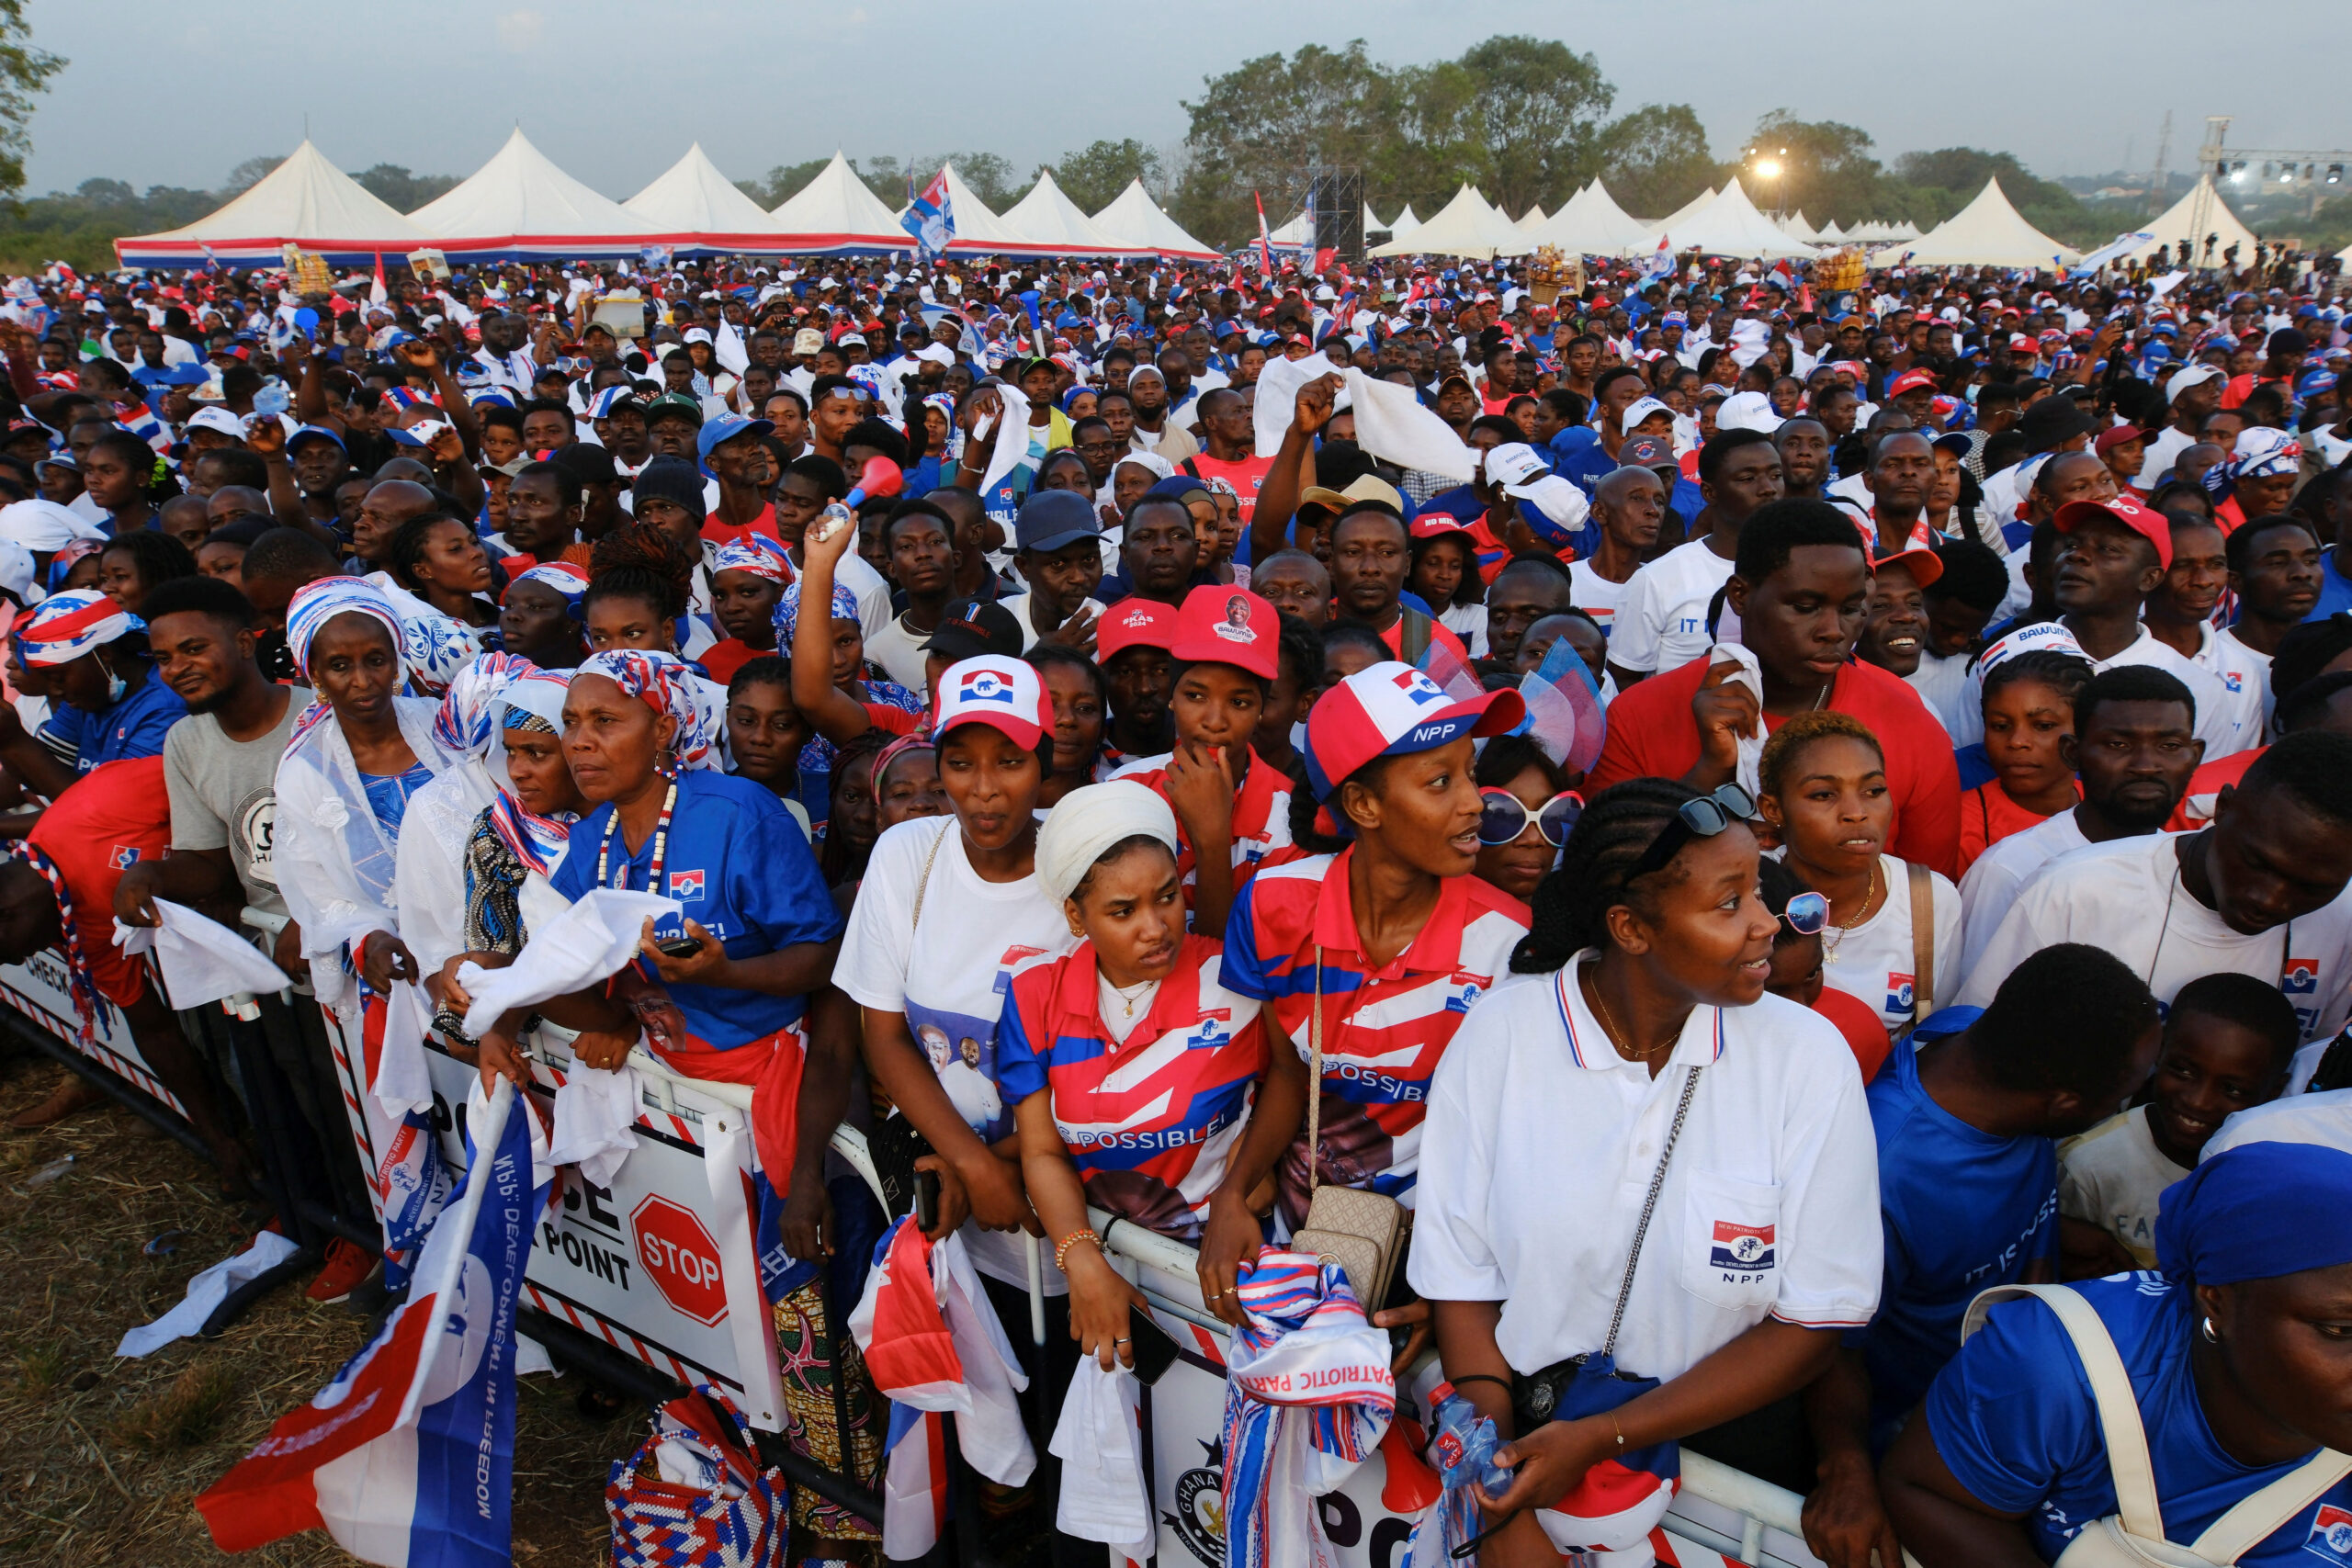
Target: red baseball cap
column 1923, row 565
column 1134, row 623
column 1003, row 694
column 2124, row 513
column 1223, row 625
column 2107, row 440
column 1911, row 380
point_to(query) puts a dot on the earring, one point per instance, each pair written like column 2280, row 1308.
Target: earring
column 2207, row 1330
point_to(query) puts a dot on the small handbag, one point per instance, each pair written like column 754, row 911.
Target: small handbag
column 739, row 1519
column 1591, row 1385
column 1362, row 1232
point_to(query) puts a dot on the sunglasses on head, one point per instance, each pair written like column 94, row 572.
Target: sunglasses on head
column 1807, row 914
column 1503, row 816
column 1700, row 818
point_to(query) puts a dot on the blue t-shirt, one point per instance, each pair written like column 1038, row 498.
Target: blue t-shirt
column 1961, row 1209
column 134, row 727
column 387, row 794
column 2334, row 591
column 2014, row 1418
column 741, row 867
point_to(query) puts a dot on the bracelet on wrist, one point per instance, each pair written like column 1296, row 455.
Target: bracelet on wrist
column 1061, row 1251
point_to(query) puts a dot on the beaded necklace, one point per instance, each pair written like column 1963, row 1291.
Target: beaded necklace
column 661, row 845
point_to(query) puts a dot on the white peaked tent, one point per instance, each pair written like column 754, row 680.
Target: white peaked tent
column 520, row 204
column 1135, row 224
column 2177, row 224
column 1532, row 219
column 1053, row 220
column 1830, row 234
column 979, row 231
column 836, row 215
column 1372, row 224
column 1466, row 226
column 1730, row 226
column 1681, row 214
column 693, row 207
column 1406, row 223
column 306, row 201
column 1906, row 229
column 1987, row 232
column 1796, row 228
column 1591, row 223
column 1293, row 233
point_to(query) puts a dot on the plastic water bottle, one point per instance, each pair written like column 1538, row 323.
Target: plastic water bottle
column 1466, row 1442
column 273, row 398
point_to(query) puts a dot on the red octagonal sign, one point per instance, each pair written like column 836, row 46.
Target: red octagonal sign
column 681, row 1259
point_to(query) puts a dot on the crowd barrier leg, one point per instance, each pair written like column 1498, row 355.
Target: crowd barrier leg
column 288, row 1160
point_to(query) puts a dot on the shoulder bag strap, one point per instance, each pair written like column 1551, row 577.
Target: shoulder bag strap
column 1649, row 1206
column 2254, row 1519
column 923, row 881
column 1922, row 940
column 1315, row 1079
column 2118, row 1407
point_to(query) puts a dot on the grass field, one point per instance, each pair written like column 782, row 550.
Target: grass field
column 100, row 1459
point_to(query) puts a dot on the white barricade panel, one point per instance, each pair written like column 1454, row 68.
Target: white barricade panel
column 661, row 1265
column 39, row 988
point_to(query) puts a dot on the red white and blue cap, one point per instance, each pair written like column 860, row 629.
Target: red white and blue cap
column 1394, row 710
column 1004, row 693
column 64, row 626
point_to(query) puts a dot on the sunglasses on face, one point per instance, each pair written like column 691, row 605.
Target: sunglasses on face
column 1503, row 816
column 1807, row 914
column 1702, row 818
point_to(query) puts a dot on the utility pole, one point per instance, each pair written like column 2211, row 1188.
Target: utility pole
column 2156, row 181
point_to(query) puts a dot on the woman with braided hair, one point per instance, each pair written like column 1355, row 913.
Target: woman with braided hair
column 640, row 585
column 1720, row 1223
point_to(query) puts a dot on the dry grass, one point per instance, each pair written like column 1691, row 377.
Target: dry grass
column 100, row 1460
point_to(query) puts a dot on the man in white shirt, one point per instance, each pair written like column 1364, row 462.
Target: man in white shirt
column 1662, row 622
column 2261, row 892
column 2193, row 392
column 2135, row 745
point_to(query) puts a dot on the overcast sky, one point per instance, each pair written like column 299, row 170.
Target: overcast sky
column 164, row 93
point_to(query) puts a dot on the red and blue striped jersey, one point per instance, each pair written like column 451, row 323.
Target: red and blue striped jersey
column 1151, row 1122
column 1261, row 814
column 1383, row 1029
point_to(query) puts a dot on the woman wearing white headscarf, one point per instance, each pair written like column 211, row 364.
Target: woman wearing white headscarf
column 359, row 754
column 429, row 882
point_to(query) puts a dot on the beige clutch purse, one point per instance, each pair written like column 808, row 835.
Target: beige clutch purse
column 1362, row 1232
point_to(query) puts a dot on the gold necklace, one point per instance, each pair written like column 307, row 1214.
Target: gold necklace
column 1609, row 1027
column 1129, row 1002
column 1868, row 892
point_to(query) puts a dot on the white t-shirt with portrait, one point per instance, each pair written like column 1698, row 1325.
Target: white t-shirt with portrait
column 1661, row 622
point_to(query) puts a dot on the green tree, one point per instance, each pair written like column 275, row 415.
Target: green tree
column 1518, row 116
column 1934, row 186
column 24, row 72
column 1095, row 175
column 247, row 175
column 402, row 190
column 1826, row 169
column 1654, row 159
column 785, row 180
column 1257, row 128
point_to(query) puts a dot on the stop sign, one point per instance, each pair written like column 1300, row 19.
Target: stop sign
column 681, row 1259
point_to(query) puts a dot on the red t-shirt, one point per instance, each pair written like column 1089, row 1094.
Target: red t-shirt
column 1652, row 734
column 1859, row 1022
column 720, row 533
column 723, row 659
column 1245, row 475
column 2196, row 808
column 1988, row 816
column 116, row 814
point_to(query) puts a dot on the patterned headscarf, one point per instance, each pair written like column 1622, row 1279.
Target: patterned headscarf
column 62, row 563
column 561, row 576
column 64, row 626
column 535, row 702
column 80, row 983
column 788, row 612
column 316, row 603
column 754, row 555
column 532, row 701
column 665, row 683
column 2261, row 453
column 464, row 724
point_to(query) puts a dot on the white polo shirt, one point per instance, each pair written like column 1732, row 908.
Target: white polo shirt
column 1541, row 1143
column 2127, row 897
column 2325, row 1119
column 2008, row 864
column 1661, row 622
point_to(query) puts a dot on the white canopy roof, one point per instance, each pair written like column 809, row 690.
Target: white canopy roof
column 1591, row 223
column 1987, row 232
column 978, row 229
column 1830, row 234
column 692, row 206
column 520, row 204
column 305, row 200
column 1796, row 228
column 1135, row 223
column 1532, row 219
column 1730, row 226
column 1466, row 226
column 1682, row 213
column 1372, row 225
column 1406, row 223
column 835, row 214
column 1906, row 229
column 1051, row 219
column 2176, row 225
column 1293, row 233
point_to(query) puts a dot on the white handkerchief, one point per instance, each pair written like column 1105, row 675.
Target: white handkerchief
column 1394, row 425
column 402, row 1083
column 1100, row 1449
column 584, row 944
column 1278, row 386
column 206, row 1292
column 202, row 960
column 1751, row 675
column 1012, row 448
column 595, row 1120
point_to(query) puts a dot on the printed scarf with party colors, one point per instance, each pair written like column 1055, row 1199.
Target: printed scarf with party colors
column 1308, row 1397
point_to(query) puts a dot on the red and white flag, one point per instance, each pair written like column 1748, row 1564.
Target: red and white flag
column 1265, row 238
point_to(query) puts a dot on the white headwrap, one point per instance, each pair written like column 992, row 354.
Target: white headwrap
column 1088, row 822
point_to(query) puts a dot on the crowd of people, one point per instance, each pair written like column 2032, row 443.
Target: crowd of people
column 1789, row 809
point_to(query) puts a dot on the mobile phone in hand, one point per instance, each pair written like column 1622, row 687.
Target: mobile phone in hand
column 926, row 1201
column 679, row 947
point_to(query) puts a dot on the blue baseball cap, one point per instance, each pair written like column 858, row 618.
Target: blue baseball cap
column 1051, row 519
column 313, row 433
column 721, row 428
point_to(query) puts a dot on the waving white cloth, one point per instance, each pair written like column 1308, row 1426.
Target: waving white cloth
column 595, row 1120
column 1100, row 1449
column 1394, row 425
column 1278, row 386
column 203, row 961
column 587, row 943
column 1012, row 448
